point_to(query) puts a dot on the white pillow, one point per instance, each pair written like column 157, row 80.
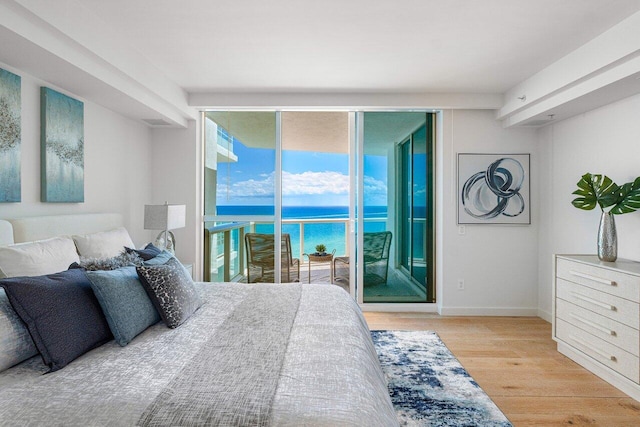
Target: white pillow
column 37, row 258
column 105, row 244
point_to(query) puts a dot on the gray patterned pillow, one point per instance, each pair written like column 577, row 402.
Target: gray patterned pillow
column 124, row 259
column 16, row 344
column 171, row 290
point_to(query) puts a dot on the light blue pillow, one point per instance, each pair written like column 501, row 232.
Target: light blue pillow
column 160, row 259
column 16, row 344
column 125, row 303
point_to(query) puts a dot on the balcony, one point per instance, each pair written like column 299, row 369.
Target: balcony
column 225, row 255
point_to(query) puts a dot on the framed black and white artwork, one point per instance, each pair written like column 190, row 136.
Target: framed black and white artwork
column 493, row 188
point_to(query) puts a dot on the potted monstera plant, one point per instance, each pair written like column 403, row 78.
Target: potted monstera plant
column 613, row 200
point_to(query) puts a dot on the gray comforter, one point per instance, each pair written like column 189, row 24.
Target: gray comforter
column 251, row 355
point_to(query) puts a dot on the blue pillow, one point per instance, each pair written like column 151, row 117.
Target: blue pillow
column 62, row 314
column 159, row 259
column 125, row 303
column 149, row 251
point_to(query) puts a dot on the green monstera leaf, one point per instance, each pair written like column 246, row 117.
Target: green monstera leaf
column 595, row 189
column 628, row 198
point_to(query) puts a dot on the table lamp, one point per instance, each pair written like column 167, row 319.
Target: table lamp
column 166, row 218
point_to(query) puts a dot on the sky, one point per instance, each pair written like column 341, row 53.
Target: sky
column 308, row 178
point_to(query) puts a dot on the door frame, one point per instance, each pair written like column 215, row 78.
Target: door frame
column 356, row 191
column 429, row 307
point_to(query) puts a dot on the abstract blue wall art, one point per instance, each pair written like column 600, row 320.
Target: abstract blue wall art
column 62, row 148
column 10, row 137
column 493, row 188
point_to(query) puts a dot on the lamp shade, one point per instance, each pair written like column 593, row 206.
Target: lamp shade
column 164, row 217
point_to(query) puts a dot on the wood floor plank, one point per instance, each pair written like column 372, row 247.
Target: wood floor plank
column 516, row 363
column 574, row 411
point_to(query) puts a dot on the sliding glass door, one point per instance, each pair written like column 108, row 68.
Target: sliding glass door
column 239, row 194
column 277, row 177
column 417, row 203
column 396, row 264
column 349, row 196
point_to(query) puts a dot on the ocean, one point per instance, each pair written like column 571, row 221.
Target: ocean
column 332, row 235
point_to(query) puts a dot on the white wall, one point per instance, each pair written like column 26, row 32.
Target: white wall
column 117, row 163
column 497, row 262
column 607, row 141
column 177, row 179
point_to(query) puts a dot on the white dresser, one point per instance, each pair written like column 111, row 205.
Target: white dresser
column 596, row 317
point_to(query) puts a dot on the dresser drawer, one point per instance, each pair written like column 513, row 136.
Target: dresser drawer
column 608, row 354
column 607, row 305
column 602, row 327
column 610, row 281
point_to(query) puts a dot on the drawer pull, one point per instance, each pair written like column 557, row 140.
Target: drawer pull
column 594, row 302
column 593, row 349
column 594, row 278
column 594, row 325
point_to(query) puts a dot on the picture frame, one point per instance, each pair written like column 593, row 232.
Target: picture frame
column 62, row 148
column 10, row 137
column 494, row 188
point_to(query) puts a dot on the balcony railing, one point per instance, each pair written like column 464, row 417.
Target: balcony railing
column 224, row 250
column 298, row 245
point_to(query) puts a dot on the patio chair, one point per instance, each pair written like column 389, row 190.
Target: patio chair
column 260, row 250
column 375, row 251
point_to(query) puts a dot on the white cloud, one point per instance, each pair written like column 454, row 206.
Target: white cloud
column 314, row 183
column 299, row 184
column 374, row 186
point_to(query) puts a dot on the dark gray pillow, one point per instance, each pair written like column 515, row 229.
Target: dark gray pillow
column 171, row 290
column 62, row 314
column 149, row 252
column 125, row 303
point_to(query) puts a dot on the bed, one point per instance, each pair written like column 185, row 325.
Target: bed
column 259, row 354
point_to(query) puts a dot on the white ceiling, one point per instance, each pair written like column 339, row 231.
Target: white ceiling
column 439, row 46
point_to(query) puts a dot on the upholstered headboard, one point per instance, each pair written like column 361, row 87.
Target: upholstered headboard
column 6, row 233
column 43, row 227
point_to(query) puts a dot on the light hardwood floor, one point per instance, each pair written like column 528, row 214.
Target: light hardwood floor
column 516, row 363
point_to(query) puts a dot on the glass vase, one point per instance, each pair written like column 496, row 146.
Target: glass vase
column 607, row 238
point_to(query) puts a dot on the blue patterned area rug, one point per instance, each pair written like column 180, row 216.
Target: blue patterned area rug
column 427, row 384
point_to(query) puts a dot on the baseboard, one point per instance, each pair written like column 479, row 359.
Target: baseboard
column 489, row 311
column 449, row 311
column 545, row 315
column 401, row 307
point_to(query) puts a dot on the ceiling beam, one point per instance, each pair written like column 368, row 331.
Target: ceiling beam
column 80, row 54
